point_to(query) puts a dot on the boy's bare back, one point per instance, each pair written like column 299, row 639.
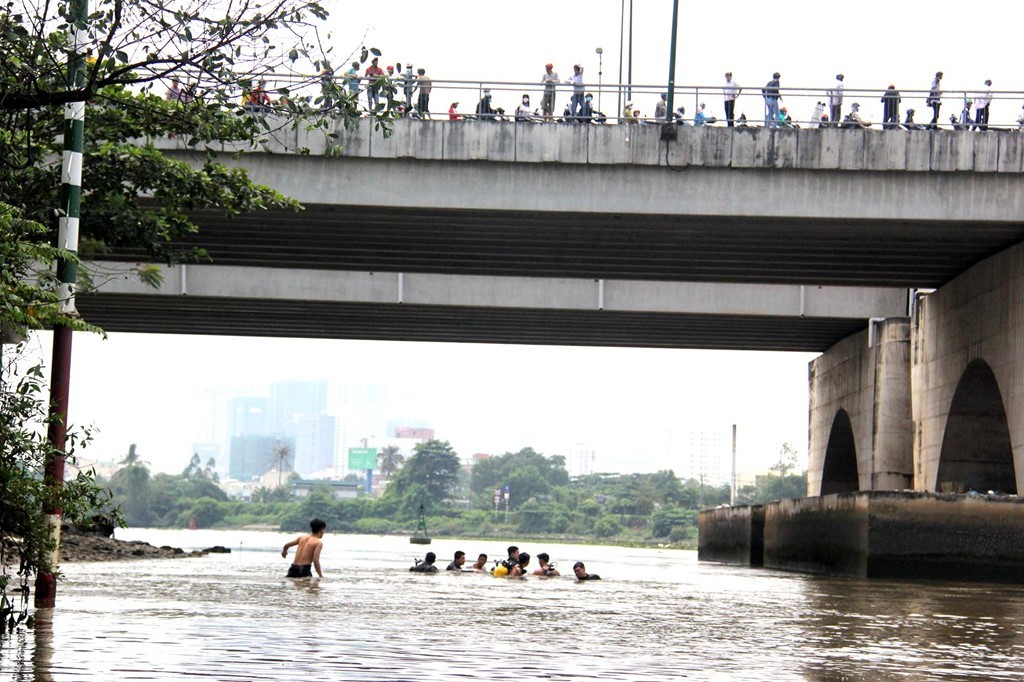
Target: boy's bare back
column 308, row 550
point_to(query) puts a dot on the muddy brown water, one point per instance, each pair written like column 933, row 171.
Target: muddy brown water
column 656, row 615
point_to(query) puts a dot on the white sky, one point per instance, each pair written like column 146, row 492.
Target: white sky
column 623, row 403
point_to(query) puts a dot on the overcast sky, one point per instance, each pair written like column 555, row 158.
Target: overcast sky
column 623, row 403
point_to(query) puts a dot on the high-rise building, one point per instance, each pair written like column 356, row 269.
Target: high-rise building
column 252, row 455
column 702, row 454
column 314, row 447
column 249, row 416
column 293, row 402
column 581, row 460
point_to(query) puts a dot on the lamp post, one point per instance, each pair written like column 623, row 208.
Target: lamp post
column 600, row 70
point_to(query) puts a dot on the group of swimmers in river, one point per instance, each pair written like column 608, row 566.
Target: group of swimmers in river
column 308, row 547
column 516, row 565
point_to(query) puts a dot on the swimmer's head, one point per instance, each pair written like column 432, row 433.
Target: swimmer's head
column 316, row 525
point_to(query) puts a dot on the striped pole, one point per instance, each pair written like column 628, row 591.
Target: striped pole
column 67, row 273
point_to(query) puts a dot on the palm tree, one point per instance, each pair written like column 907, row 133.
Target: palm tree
column 389, row 460
column 132, row 457
column 280, row 457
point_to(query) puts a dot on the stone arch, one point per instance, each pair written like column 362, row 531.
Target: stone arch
column 839, row 473
column 977, row 453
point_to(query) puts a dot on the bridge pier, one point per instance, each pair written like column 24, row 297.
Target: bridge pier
column 934, row 403
column 861, row 434
column 968, row 395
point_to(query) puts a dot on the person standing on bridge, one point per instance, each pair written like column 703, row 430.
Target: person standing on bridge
column 891, row 108
column 550, row 81
column 373, row 74
column 771, row 94
column 731, row 92
column 578, row 90
column 835, row 100
column 934, row 100
column 352, row 79
column 424, row 84
column 981, row 104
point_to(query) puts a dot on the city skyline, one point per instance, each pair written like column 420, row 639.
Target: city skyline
column 622, row 404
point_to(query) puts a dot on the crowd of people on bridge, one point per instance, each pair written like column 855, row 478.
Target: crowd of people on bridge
column 408, row 91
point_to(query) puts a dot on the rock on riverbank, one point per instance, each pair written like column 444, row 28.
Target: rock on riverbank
column 79, row 547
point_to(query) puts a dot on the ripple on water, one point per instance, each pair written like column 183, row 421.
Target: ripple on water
column 657, row 615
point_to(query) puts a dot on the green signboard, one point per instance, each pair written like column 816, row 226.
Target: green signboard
column 362, row 458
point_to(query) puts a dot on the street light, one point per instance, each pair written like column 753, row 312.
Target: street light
column 600, row 62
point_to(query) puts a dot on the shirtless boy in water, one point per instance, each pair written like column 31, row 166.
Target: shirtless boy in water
column 308, row 551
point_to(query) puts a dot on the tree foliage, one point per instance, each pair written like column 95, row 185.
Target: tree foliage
column 428, row 477
column 527, row 473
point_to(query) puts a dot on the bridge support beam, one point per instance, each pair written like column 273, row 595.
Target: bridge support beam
column 861, row 433
column 968, row 396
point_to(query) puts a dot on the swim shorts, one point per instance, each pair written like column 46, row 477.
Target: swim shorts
column 300, row 571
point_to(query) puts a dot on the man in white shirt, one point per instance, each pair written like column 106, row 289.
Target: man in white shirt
column 981, row 102
column 731, row 91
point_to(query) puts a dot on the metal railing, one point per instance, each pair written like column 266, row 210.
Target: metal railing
column 803, row 105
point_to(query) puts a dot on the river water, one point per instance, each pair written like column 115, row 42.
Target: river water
column 656, row 615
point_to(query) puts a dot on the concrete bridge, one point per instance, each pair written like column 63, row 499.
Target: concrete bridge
column 828, row 240
column 478, row 231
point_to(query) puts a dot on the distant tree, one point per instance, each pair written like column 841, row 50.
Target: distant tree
column 787, row 460
column 527, row 473
column 432, row 472
column 129, row 489
column 389, row 460
column 282, row 457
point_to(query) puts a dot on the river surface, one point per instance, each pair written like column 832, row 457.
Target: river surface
column 656, row 615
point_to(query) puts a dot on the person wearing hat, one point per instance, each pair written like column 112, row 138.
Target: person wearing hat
column 853, row 119
column 835, row 99
column 550, row 81
column 934, row 99
column 484, row 110
column 981, row 102
column 627, row 113
column 891, row 108
column 453, row 115
column 771, row 95
column 909, row 123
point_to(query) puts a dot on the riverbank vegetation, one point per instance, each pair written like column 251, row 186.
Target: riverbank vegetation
column 517, row 494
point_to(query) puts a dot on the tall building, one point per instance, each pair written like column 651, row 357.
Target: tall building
column 293, row 402
column 252, row 455
column 315, row 444
column 581, row 460
column 702, row 454
column 249, row 416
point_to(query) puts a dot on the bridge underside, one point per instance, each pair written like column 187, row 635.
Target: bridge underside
column 818, row 251
column 403, row 322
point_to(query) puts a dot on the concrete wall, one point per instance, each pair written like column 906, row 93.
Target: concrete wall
column 872, row 385
column 898, row 535
column 977, row 316
column 732, row 535
column 707, row 146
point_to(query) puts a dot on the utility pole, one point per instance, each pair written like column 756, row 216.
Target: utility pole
column 668, row 132
column 732, row 491
column 67, row 275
